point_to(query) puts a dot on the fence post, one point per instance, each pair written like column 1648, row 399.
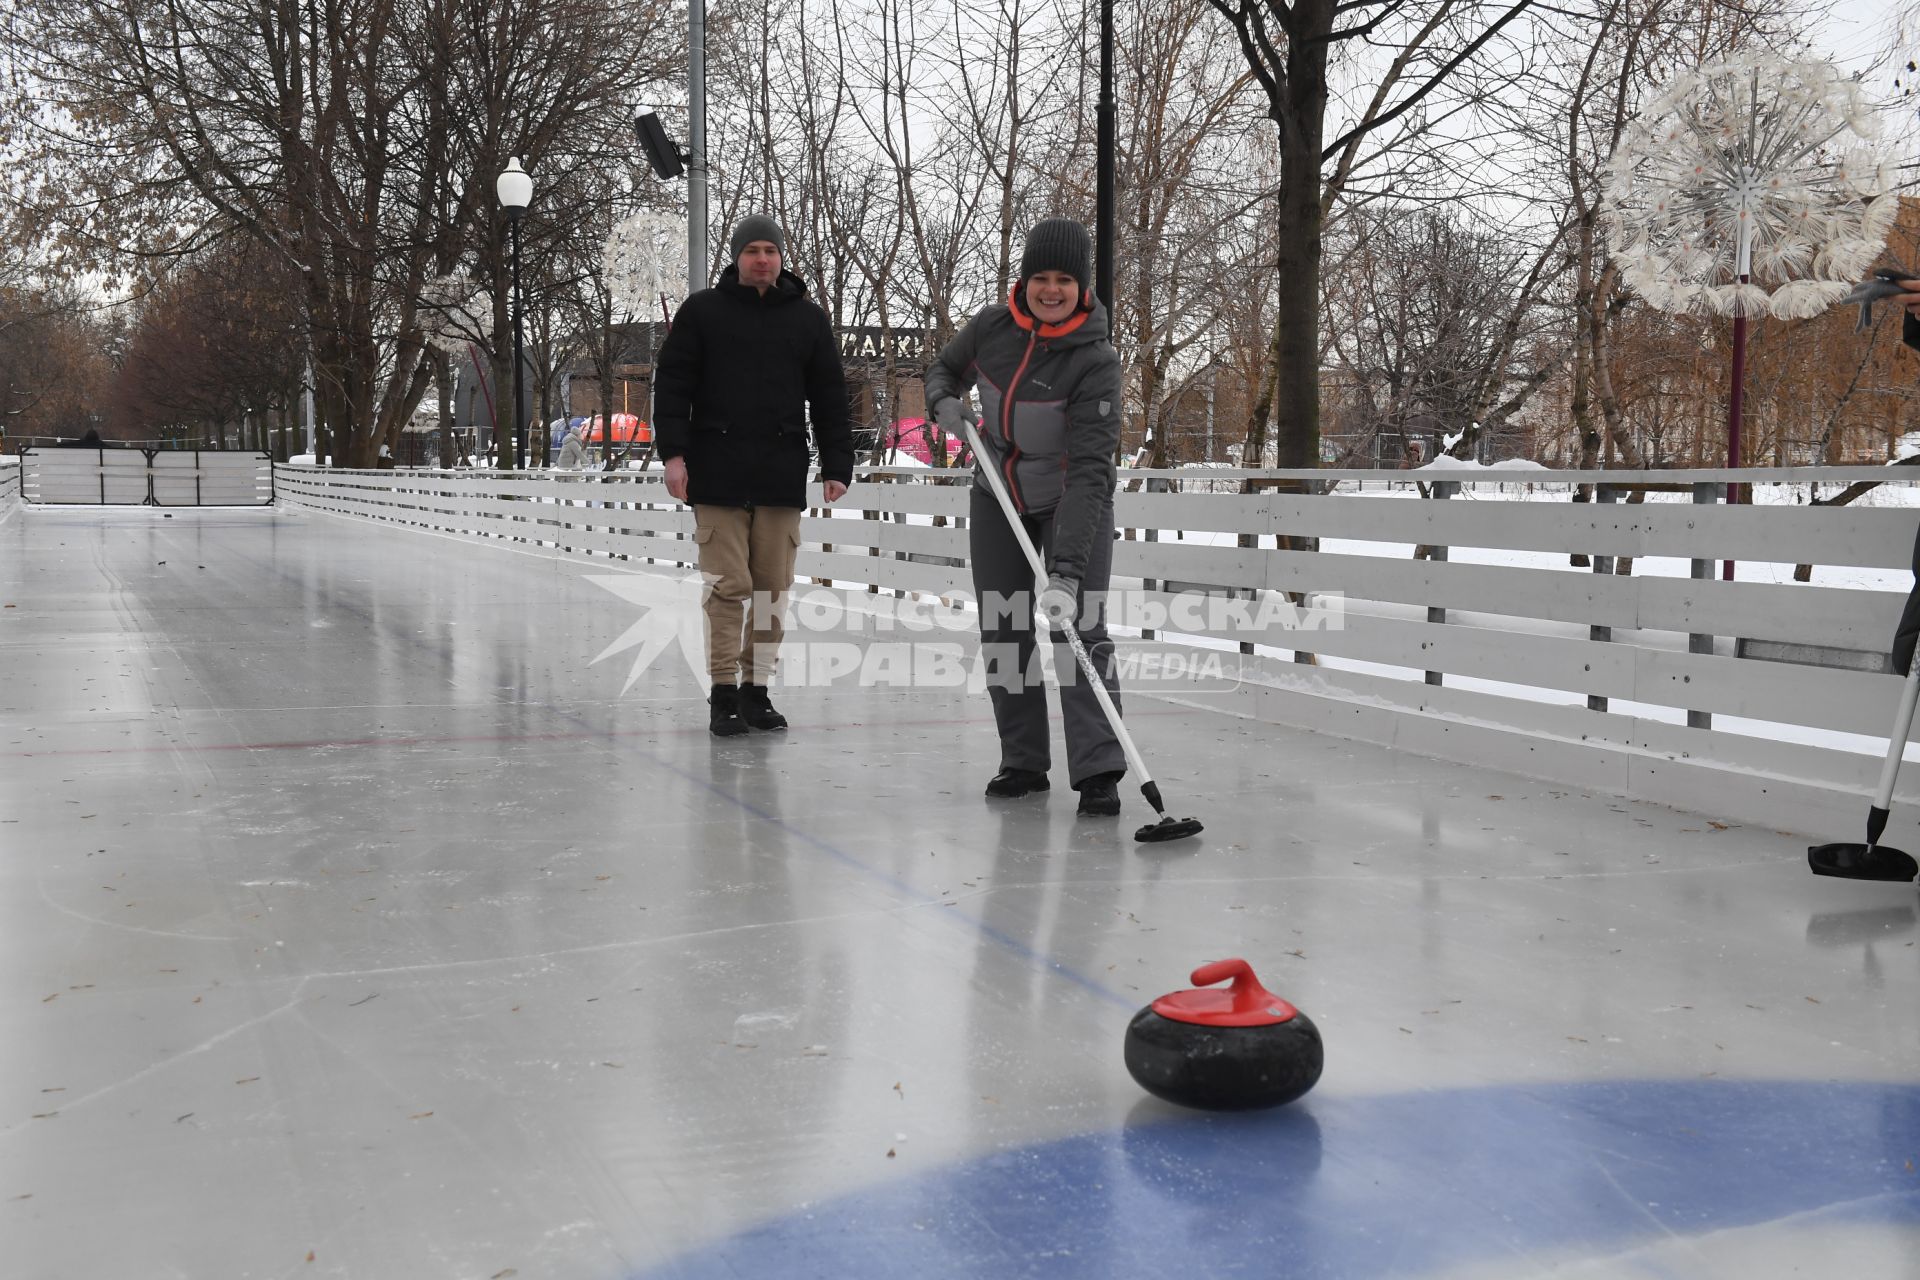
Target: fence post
column 900, row 517
column 1703, row 495
column 1436, row 554
column 1302, row 542
column 1607, row 494
column 1152, row 484
column 1250, row 541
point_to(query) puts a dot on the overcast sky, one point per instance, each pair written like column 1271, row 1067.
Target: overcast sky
column 1855, row 31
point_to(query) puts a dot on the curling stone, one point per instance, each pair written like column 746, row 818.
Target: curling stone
column 1224, row 1050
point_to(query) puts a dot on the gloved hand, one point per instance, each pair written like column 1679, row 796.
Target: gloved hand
column 949, row 414
column 1058, row 605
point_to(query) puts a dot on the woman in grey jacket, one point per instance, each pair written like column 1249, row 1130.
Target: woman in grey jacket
column 1049, row 386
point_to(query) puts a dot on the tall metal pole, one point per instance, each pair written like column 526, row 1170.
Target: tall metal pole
column 1104, row 165
column 1735, row 406
column 306, row 396
column 696, row 146
column 1736, row 403
column 519, row 349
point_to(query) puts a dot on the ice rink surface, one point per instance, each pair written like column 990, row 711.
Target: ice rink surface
column 354, row 924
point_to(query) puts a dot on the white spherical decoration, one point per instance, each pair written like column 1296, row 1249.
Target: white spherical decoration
column 645, row 259
column 1757, row 167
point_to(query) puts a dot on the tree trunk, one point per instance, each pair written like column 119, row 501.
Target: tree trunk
column 1253, row 451
column 1296, row 329
column 443, row 375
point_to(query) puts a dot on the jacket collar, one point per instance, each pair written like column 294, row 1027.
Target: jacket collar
column 1048, row 331
column 786, row 286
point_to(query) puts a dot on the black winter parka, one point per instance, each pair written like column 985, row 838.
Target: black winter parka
column 735, row 384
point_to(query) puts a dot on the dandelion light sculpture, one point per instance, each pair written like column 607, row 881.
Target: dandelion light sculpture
column 1749, row 187
column 645, row 260
column 455, row 314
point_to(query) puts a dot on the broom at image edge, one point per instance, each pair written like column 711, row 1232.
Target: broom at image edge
column 1167, row 828
column 1873, row 860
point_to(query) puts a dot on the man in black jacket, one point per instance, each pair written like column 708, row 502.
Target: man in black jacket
column 745, row 365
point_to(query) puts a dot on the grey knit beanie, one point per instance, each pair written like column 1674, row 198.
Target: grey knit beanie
column 757, row 226
column 1059, row 244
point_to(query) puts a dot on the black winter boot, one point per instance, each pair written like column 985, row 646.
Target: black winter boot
column 1009, row 784
column 1100, row 795
column 757, row 709
column 725, row 721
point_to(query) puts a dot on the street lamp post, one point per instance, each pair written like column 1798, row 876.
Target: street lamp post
column 515, row 189
column 1105, row 180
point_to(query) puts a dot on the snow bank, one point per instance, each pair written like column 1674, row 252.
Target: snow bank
column 1447, row 462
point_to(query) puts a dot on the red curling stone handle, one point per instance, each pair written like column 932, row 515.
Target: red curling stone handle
column 1245, row 1004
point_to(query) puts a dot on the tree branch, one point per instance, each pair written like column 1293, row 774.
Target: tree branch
column 1433, row 82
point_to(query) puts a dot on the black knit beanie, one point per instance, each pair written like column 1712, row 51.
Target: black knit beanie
column 1059, row 244
column 757, row 226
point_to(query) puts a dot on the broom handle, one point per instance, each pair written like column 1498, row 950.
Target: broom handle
column 983, row 461
column 1897, row 744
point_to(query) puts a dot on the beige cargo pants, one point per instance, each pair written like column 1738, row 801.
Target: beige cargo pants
column 746, row 557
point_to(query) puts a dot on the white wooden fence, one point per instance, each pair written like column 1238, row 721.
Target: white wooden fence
column 147, row 477
column 1665, row 684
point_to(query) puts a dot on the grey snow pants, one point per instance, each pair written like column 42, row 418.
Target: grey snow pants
column 1004, row 585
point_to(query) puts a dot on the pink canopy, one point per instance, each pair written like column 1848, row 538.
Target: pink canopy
column 914, row 437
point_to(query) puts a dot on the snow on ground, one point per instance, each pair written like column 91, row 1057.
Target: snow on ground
column 1447, row 462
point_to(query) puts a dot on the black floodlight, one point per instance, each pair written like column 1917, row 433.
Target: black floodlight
column 665, row 158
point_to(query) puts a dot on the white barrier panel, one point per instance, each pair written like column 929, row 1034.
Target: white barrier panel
column 212, row 479
column 91, row 476
column 1492, row 647
column 147, row 477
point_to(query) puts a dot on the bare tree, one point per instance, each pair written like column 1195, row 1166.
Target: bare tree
column 1288, row 45
column 1183, row 173
column 217, row 342
column 54, row 360
column 356, row 138
column 1433, row 318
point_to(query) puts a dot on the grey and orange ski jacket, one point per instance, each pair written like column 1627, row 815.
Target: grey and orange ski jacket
column 1049, row 416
